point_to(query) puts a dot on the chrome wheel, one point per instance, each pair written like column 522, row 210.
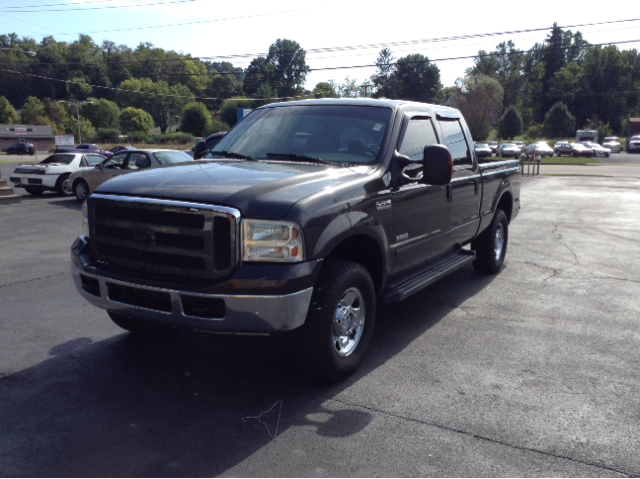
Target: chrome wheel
column 66, row 189
column 498, row 243
column 348, row 322
column 81, row 190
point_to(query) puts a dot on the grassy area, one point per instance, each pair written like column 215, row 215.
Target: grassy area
column 555, row 160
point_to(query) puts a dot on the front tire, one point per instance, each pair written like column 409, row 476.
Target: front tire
column 81, row 189
column 491, row 245
column 33, row 191
column 339, row 325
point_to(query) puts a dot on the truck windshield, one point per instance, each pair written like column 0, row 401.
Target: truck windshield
column 335, row 134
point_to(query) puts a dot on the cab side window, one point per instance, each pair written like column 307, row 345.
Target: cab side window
column 138, row 161
column 419, row 133
column 117, row 161
column 454, row 140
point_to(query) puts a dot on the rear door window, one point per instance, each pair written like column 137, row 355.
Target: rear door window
column 455, row 140
column 419, row 133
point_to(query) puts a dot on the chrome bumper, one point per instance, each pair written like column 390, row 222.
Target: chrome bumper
column 242, row 314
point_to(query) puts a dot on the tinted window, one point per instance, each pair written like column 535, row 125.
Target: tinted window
column 64, row 159
column 346, row 134
column 455, row 141
column 419, row 134
column 138, row 160
column 93, row 160
column 117, row 161
column 172, row 157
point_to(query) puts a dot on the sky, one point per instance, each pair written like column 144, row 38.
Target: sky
column 239, row 31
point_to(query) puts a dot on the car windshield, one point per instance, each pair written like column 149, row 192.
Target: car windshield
column 508, row 145
column 481, row 145
column 339, row 134
column 172, row 157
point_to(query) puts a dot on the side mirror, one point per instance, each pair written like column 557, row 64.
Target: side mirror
column 438, row 165
column 198, row 149
column 99, row 166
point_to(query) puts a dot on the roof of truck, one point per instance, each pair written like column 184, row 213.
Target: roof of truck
column 359, row 102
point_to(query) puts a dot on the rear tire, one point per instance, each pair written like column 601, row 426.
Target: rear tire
column 491, row 245
column 339, row 325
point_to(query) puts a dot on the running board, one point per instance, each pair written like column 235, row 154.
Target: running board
column 405, row 287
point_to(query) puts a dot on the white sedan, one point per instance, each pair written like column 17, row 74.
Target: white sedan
column 597, row 149
column 50, row 174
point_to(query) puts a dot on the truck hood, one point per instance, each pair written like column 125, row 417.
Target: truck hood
column 257, row 189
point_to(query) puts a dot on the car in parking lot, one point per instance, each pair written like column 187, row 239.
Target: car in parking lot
column 83, row 183
column 86, row 148
column 539, row 149
column 51, row 173
column 613, row 143
column 572, row 149
column 507, row 150
column 597, row 149
column 519, row 144
column 634, row 144
column 493, row 145
column 21, row 149
column 483, row 150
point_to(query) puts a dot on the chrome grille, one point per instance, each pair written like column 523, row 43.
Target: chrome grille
column 171, row 238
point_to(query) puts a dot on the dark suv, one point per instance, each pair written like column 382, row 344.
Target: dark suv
column 21, row 149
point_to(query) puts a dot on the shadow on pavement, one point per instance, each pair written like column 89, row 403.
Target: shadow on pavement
column 173, row 406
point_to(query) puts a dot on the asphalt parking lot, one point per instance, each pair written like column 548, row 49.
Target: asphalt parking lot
column 532, row 372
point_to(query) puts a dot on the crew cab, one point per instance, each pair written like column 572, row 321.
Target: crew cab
column 299, row 221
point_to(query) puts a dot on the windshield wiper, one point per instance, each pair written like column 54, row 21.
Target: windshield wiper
column 294, row 156
column 231, row 154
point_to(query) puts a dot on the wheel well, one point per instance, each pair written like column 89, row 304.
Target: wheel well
column 364, row 250
column 506, row 204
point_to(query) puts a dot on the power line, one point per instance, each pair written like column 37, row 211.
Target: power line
column 58, row 4
column 101, row 8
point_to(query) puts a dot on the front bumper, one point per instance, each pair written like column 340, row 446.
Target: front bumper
column 185, row 308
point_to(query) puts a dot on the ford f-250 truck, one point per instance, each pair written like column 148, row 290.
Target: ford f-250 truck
column 302, row 218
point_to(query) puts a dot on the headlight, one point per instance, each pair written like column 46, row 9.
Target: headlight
column 85, row 219
column 278, row 241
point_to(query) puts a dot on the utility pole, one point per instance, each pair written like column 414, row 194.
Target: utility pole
column 77, row 105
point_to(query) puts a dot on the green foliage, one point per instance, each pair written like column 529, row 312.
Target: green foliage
column 222, row 87
column 535, row 131
column 479, row 98
column 139, row 137
column 108, row 135
column 510, row 124
column 69, row 126
column 31, row 109
column 79, row 89
column 325, row 90
column 134, row 119
column 102, row 113
column 559, row 122
column 8, row 114
column 266, row 94
column 289, row 68
column 195, row 119
column 178, row 138
column 417, row 79
column 229, row 109
column 383, row 80
column 216, row 127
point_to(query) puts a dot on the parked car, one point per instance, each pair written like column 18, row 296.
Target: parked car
column 519, row 144
column 634, row 144
column 597, row 149
column 507, row 150
column 483, row 150
column 50, row 174
column 86, row 148
column 118, row 149
column 84, row 182
column 202, row 146
column 493, row 145
column 613, row 143
column 572, row 149
column 21, row 149
column 539, row 149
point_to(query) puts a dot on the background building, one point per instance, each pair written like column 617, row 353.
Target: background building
column 41, row 136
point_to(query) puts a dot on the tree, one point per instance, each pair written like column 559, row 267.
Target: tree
column 102, row 113
column 417, row 79
column 510, row 124
column 8, row 114
column 479, row 98
column 79, row 89
column 266, row 94
column 287, row 58
column 223, row 87
column 383, row 80
column 69, row 126
column 229, row 109
column 257, row 73
column 55, row 111
column 31, row 109
column 558, row 122
column 134, row 119
column 195, row 119
column 325, row 90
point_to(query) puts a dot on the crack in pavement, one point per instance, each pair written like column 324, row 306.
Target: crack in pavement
column 483, row 438
column 32, row 280
column 559, row 238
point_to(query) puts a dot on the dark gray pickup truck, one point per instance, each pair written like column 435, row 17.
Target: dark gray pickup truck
column 302, row 218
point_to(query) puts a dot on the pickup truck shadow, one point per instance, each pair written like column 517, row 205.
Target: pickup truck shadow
column 68, row 202
column 187, row 404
